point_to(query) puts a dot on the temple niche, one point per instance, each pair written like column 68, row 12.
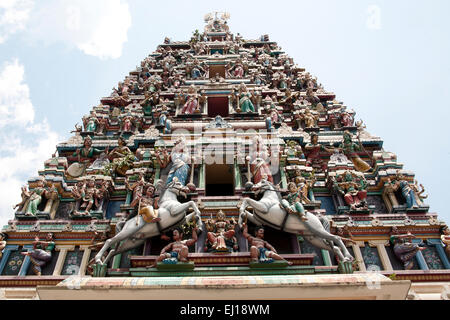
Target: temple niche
column 220, row 156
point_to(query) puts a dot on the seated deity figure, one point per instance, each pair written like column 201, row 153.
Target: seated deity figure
column 354, row 190
column 292, row 203
column 404, row 249
column 245, row 102
column 309, row 118
column 147, row 205
column 258, row 166
column 221, row 233
column 41, row 253
column 121, row 157
column 34, row 197
column 261, row 251
column 191, row 105
column 350, row 149
column 178, row 250
column 313, row 149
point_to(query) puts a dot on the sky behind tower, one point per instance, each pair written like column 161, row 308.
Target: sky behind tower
column 387, row 60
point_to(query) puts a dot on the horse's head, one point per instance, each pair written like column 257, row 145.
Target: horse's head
column 262, row 186
column 178, row 188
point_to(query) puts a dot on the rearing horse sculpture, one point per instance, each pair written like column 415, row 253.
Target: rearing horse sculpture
column 268, row 211
column 135, row 230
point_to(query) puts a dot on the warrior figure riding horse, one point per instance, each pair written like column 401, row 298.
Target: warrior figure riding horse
column 133, row 232
column 268, row 211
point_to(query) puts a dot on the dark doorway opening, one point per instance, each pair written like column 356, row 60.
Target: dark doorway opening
column 219, row 180
column 217, row 106
column 214, row 69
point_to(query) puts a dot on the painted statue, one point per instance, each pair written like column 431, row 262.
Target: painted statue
column 41, row 253
column 148, row 205
column 221, row 233
column 410, row 191
column 3, row 238
column 445, row 238
column 292, row 202
column 261, row 251
column 404, row 249
column 258, row 157
column 269, row 211
column 90, row 123
column 313, row 149
column 245, row 103
column 178, row 250
column 191, row 105
column 350, row 149
column 353, row 188
column 309, row 118
column 34, row 198
column 121, row 157
column 180, row 159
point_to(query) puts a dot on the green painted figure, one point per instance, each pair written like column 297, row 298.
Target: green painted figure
column 292, row 202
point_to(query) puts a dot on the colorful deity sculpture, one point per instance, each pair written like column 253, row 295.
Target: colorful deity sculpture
column 88, row 196
column 445, row 238
column 410, row 192
column 178, row 250
column 350, row 149
column 245, row 102
column 403, row 247
column 258, row 160
column 41, row 253
column 313, row 149
column 3, row 238
column 260, row 250
column 221, row 234
column 34, row 197
column 292, row 202
column 90, row 122
column 121, row 157
column 354, row 189
column 180, row 159
column 191, row 106
column 148, row 205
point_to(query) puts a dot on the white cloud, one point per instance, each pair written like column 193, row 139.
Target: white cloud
column 14, row 15
column 24, row 143
column 97, row 28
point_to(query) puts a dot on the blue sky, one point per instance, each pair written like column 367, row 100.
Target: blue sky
column 388, row 60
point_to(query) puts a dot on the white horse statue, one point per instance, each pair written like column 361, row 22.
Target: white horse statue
column 134, row 231
column 268, row 211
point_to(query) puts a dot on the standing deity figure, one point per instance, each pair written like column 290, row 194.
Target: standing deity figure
column 180, row 159
column 245, row 103
column 258, row 157
column 221, row 231
column 261, row 251
column 404, row 249
column 292, row 202
column 90, row 122
column 88, row 195
column 238, row 69
column 41, row 253
column 311, row 97
column 191, row 104
column 137, row 188
column 350, row 149
column 164, row 120
column 314, row 148
column 196, row 70
column 127, row 122
column 354, row 190
column 177, row 250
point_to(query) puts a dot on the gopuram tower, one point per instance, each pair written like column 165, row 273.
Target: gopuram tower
column 167, row 184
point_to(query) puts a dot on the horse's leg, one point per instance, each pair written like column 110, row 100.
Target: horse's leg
column 322, row 233
column 129, row 229
column 257, row 205
column 320, row 243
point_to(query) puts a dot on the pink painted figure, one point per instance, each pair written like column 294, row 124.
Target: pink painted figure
column 191, row 104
